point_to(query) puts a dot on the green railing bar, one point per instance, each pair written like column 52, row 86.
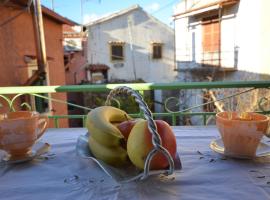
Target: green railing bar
column 168, row 86
column 28, row 89
column 135, row 86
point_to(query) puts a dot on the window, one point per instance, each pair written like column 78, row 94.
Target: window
column 32, row 66
column 117, row 51
column 156, row 50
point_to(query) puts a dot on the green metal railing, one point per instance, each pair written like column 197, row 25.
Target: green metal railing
column 141, row 87
column 135, row 86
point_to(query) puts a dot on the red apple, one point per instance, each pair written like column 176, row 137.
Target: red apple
column 126, row 126
column 140, row 144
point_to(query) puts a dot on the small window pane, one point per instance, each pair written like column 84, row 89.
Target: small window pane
column 157, row 51
column 117, row 52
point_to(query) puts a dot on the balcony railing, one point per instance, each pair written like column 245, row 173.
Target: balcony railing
column 241, row 87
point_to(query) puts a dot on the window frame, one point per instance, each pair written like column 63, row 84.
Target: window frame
column 156, row 44
column 111, row 45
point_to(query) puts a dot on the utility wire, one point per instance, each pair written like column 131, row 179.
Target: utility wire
column 163, row 7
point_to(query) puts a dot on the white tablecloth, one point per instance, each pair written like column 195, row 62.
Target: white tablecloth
column 61, row 174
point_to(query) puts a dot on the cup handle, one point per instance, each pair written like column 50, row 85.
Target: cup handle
column 43, row 123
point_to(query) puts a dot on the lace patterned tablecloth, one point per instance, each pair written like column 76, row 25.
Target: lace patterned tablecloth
column 61, row 174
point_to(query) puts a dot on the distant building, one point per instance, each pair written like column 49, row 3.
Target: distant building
column 223, row 35
column 132, row 44
column 221, row 40
column 18, row 57
column 75, row 53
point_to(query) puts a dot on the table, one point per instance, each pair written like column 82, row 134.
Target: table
column 61, row 174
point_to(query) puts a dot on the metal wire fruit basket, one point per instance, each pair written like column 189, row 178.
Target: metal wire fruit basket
column 132, row 173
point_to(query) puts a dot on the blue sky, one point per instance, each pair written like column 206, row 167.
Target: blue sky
column 93, row 9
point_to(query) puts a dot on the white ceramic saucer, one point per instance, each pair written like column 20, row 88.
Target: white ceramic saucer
column 38, row 149
column 262, row 150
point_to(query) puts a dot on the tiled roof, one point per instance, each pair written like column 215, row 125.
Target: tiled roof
column 46, row 11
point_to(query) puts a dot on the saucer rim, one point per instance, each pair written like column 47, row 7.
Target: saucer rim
column 214, row 141
column 30, row 156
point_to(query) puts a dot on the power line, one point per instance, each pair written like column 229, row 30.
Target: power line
column 165, row 6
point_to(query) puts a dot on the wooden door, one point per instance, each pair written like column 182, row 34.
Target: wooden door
column 211, row 41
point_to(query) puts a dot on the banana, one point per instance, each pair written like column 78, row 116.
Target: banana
column 115, row 156
column 100, row 125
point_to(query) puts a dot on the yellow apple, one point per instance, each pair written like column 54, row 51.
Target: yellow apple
column 139, row 144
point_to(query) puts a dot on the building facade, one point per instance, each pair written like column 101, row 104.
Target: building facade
column 134, row 45
column 18, row 55
column 227, row 35
column 221, row 40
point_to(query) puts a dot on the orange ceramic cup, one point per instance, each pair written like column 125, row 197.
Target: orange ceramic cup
column 241, row 137
column 19, row 131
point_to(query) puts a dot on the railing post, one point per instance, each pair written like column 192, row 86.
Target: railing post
column 204, row 119
column 56, row 122
column 84, row 120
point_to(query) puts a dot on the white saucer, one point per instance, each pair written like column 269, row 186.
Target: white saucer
column 262, row 150
column 38, row 149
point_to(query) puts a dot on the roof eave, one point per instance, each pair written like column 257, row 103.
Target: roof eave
column 113, row 15
column 55, row 16
column 218, row 3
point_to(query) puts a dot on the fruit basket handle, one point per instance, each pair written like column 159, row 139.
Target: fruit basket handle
column 156, row 140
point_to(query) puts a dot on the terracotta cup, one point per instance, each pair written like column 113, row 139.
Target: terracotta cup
column 19, row 131
column 241, row 136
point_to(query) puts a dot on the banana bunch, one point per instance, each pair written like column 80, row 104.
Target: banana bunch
column 106, row 141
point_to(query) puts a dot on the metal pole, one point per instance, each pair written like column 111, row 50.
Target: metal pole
column 39, row 35
column 174, row 54
column 219, row 45
column 43, row 68
column 81, row 15
column 131, row 46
